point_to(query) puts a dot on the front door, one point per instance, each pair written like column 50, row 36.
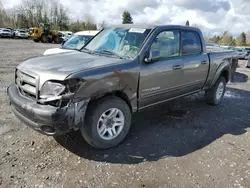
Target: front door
column 162, row 79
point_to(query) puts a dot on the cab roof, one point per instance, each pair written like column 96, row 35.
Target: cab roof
column 153, row 26
column 88, row 33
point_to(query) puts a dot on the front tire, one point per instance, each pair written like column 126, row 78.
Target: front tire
column 214, row 95
column 36, row 40
column 107, row 122
column 44, row 39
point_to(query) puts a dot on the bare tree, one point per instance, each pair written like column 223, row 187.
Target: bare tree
column 31, row 12
column 103, row 24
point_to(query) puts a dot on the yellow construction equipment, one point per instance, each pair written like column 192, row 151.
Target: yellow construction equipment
column 43, row 33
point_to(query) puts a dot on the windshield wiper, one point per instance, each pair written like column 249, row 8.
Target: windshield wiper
column 84, row 49
column 110, row 52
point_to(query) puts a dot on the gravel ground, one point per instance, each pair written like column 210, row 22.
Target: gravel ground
column 184, row 143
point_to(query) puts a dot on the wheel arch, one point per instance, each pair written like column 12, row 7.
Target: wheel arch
column 119, row 94
column 225, row 73
column 223, row 70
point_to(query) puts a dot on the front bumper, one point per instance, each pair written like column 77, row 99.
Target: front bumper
column 22, row 36
column 5, row 35
column 46, row 119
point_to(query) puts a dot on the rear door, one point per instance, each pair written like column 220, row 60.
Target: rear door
column 195, row 59
column 162, row 79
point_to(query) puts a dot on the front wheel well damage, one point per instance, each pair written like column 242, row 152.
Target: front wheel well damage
column 119, row 94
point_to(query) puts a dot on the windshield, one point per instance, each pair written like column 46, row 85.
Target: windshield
column 6, row 30
column 76, row 42
column 122, row 42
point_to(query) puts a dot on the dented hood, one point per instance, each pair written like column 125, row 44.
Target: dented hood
column 60, row 66
column 65, row 64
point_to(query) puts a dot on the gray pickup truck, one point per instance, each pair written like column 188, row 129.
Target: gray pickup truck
column 122, row 70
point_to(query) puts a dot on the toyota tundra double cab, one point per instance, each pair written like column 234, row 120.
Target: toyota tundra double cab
column 122, row 70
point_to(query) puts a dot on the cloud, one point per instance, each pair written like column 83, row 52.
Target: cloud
column 214, row 16
column 204, row 5
column 9, row 3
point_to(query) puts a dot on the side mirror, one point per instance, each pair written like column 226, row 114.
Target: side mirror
column 152, row 56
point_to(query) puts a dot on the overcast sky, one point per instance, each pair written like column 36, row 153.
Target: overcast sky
column 213, row 15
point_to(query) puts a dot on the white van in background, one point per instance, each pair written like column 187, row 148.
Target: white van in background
column 76, row 42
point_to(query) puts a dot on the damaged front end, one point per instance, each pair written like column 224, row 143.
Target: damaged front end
column 57, row 110
column 62, row 96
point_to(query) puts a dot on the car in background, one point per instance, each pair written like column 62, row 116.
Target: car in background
column 11, row 30
column 210, row 46
column 65, row 38
column 247, row 49
column 21, row 33
column 227, row 47
column 241, row 53
column 76, row 42
column 5, row 32
column 66, row 35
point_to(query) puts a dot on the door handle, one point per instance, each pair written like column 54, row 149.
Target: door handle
column 204, row 62
column 176, row 67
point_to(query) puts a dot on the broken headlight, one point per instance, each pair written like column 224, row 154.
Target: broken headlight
column 51, row 89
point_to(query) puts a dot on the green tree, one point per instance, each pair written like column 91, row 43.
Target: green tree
column 214, row 39
column 241, row 40
column 218, row 38
column 248, row 38
column 187, row 23
column 127, row 18
column 244, row 38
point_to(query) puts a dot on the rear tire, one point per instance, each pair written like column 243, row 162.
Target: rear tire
column 50, row 40
column 103, row 129
column 233, row 71
column 57, row 40
column 214, row 95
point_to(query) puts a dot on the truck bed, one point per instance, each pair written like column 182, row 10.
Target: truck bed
column 218, row 56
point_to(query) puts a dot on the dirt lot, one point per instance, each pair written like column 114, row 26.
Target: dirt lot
column 185, row 143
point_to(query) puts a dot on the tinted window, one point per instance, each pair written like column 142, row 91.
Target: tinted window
column 166, row 44
column 191, row 43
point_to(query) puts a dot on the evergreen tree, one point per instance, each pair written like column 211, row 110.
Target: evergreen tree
column 127, row 18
